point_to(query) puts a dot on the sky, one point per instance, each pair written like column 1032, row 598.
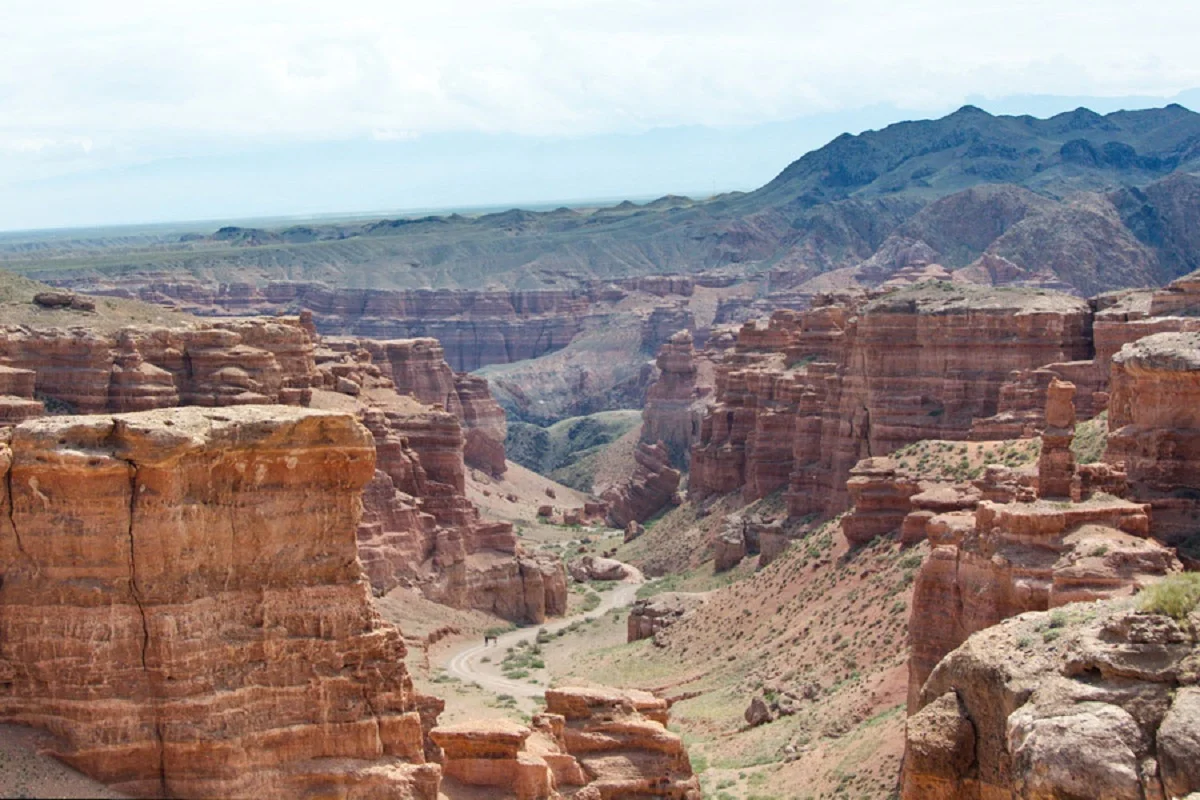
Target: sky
column 126, row 111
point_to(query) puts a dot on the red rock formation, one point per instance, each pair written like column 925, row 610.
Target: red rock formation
column 651, row 487
column 1084, row 702
column 182, row 606
column 663, row 322
column 675, row 403
column 881, row 500
column 17, row 402
column 1154, row 428
column 864, row 379
column 1056, row 462
column 1018, row 557
column 595, row 744
column 485, row 424
column 235, row 362
column 418, row 367
column 476, row 327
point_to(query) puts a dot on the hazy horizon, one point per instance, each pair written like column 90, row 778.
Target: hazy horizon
column 132, row 113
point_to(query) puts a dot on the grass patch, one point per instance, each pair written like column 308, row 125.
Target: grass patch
column 1175, row 596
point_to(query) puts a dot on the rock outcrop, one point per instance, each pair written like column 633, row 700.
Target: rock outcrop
column 595, row 744
column 653, row 614
column 800, row 402
column 675, row 403
column 232, row 362
column 17, row 401
column 1092, row 700
column 1010, row 558
column 418, row 367
column 650, row 489
column 182, row 606
column 475, row 327
column 1154, row 428
column 419, row 526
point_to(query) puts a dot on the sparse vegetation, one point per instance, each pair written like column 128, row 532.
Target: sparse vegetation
column 1176, row 596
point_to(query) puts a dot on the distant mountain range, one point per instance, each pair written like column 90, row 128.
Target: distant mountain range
column 1079, row 200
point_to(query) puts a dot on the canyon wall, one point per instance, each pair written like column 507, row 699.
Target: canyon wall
column 430, row 424
column 182, row 606
column 475, row 327
column 800, row 402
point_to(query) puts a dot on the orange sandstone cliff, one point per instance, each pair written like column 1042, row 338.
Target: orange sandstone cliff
column 182, row 606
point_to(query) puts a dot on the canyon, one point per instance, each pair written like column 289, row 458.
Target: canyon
column 875, row 479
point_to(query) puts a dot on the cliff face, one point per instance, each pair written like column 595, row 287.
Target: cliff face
column 1009, row 558
column 419, row 367
column 475, row 327
column 429, row 424
column 647, row 491
column 233, row 362
column 1089, row 701
column 799, row 403
column 1154, row 428
column 675, row 402
column 419, row 529
column 182, row 606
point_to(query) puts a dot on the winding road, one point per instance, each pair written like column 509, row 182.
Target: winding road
column 467, row 663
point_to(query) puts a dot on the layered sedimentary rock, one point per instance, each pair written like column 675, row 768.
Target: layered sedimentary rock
column 1096, row 701
column 476, row 327
column 675, row 403
column 595, row 744
column 416, row 505
column 182, row 606
column 419, row 367
column 663, row 322
column 651, row 487
column 1009, row 558
column 485, row 424
column 17, row 401
column 803, row 400
column 419, row 530
column 1154, row 428
column 232, row 362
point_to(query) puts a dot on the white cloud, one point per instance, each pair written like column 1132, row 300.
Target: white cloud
column 314, row 69
column 88, row 85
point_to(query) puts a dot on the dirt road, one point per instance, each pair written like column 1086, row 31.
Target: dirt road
column 467, row 663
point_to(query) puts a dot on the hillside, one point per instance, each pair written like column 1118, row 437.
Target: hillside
column 956, row 188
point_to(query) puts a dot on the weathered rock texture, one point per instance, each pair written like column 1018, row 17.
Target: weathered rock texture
column 418, row 528
column 183, row 608
column 1092, row 701
column 653, row 614
column 651, row 487
column 232, row 362
column 800, row 402
column 1154, row 428
column 476, row 327
column 1009, row 558
column 594, row 744
column 675, row 403
column 418, row 367
column 428, row 424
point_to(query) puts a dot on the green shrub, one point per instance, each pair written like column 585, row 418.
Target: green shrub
column 1175, row 596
